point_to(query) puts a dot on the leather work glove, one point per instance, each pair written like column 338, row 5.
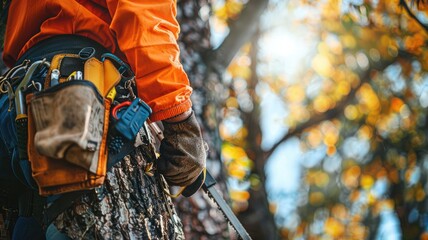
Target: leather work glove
column 182, row 152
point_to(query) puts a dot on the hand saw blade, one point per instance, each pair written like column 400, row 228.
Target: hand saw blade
column 208, row 187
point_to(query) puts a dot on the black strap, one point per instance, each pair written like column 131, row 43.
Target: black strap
column 67, row 199
column 5, row 10
column 67, row 43
column 60, row 205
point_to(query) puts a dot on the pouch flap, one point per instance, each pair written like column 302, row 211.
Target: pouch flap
column 111, row 76
column 69, row 120
column 94, row 72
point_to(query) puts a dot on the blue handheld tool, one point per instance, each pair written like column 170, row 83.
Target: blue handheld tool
column 128, row 119
column 131, row 119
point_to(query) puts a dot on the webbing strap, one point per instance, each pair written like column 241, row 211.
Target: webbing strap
column 3, row 14
column 68, row 43
column 60, row 205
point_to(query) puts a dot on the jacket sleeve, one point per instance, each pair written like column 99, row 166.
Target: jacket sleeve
column 147, row 33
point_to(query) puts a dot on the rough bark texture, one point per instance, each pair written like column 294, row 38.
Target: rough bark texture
column 133, row 206
column 200, row 218
column 205, row 67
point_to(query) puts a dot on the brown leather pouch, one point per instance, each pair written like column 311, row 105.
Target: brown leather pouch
column 68, row 125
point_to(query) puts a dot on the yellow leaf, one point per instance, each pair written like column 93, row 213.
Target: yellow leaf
column 239, row 195
column 351, row 112
column 236, row 172
column 420, row 194
column 321, row 64
column 331, row 150
column 396, row 104
column 221, row 13
column 349, row 41
column 316, row 198
column 322, row 179
column 233, row 8
column 334, row 228
column 322, row 103
column 330, row 138
column 350, row 176
column 366, row 181
column 365, row 132
column 295, row 94
column 340, row 211
column 314, row 137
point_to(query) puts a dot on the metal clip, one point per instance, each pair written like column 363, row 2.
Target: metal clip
column 11, row 95
column 55, row 77
column 19, row 95
column 5, row 83
column 36, row 85
column 4, row 80
column 86, row 53
column 100, row 193
column 128, row 85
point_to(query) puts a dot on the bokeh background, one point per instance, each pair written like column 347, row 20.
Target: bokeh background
column 315, row 113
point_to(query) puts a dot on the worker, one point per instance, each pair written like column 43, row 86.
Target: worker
column 144, row 35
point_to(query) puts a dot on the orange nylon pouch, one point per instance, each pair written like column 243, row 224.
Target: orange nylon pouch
column 61, row 169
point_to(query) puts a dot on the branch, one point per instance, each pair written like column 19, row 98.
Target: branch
column 332, row 113
column 316, row 119
column 403, row 3
column 241, row 31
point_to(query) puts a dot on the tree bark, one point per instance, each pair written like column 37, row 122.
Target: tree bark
column 200, row 218
column 205, row 68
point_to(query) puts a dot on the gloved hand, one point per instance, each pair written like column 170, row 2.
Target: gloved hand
column 182, row 152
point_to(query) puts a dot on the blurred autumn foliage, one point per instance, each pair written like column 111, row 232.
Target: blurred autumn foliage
column 354, row 107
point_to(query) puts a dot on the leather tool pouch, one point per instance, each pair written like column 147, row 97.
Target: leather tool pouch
column 68, row 125
column 67, row 137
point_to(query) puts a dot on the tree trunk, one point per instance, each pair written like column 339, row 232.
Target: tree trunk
column 258, row 204
column 198, row 214
column 205, row 68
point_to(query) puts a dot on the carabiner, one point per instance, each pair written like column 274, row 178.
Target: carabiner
column 118, row 107
column 4, row 80
column 19, row 95
column 35, row 85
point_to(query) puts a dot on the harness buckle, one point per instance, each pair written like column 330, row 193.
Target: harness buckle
column 86, row 53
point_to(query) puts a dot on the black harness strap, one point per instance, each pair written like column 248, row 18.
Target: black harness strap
column 5, row 9
column 60, row 205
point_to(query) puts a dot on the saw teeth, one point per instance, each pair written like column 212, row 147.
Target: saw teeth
column 219, row 208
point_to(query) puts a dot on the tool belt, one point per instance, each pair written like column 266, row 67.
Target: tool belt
column 76, row 113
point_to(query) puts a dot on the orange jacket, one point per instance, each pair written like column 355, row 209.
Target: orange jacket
column 144, row 32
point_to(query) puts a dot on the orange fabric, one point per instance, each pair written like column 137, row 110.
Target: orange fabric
column 144, row 33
